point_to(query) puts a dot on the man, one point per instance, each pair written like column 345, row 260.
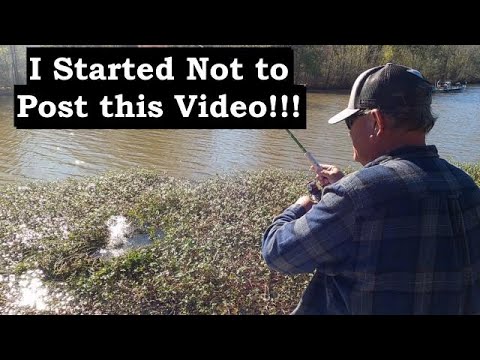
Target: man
column 399, row 236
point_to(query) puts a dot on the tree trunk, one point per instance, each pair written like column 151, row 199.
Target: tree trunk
column 15, row 75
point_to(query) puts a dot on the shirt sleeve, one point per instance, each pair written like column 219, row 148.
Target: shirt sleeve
column 298, row 242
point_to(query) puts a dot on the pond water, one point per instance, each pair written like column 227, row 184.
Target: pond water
column 58, row 154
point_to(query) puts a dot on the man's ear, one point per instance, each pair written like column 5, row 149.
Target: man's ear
column 379, row 122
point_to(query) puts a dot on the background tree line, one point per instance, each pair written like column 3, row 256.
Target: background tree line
column 337, row 66
column 326, row 66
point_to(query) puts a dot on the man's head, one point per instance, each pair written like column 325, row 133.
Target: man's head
column 389, row 106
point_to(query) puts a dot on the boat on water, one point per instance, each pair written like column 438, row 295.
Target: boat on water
column 447, row 86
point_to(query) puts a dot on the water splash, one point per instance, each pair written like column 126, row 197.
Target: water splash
column 123, row 236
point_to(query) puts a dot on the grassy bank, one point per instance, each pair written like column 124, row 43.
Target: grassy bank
column 204, row 257
column 207, row 260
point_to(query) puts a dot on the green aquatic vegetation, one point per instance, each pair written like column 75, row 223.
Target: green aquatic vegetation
column 204, row 256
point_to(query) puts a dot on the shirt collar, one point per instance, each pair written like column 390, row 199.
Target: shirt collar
column 407, row 152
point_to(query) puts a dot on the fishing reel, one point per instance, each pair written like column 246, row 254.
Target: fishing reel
column 315, row 191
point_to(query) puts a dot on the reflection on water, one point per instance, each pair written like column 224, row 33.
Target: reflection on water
column 57, row 154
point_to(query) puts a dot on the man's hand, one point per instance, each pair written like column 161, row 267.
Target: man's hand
column 306, row 202
column 328, row 174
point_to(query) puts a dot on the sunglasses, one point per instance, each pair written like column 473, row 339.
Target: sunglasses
column 350, row 120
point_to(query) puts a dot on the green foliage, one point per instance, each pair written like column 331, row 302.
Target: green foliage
column 207, row 260
column 387, row 54
column 335, row 66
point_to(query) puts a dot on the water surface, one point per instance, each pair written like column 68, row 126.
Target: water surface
column 58, row 154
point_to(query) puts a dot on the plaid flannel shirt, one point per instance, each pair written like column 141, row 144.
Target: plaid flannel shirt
column 399, row 236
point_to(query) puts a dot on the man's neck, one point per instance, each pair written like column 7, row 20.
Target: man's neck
column 398, row 140
column 409, row 139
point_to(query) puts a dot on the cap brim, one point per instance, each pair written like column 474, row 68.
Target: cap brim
column 342, row 115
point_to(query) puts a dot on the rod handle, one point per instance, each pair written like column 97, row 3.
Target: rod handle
column 313, row 161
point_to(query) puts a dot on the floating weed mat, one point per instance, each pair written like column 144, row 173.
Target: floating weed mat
column 203, row 255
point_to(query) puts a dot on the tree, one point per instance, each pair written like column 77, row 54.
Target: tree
column 15, row 74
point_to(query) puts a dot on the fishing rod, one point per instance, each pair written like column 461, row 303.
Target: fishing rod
column 308, row 155
column 312, row 186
